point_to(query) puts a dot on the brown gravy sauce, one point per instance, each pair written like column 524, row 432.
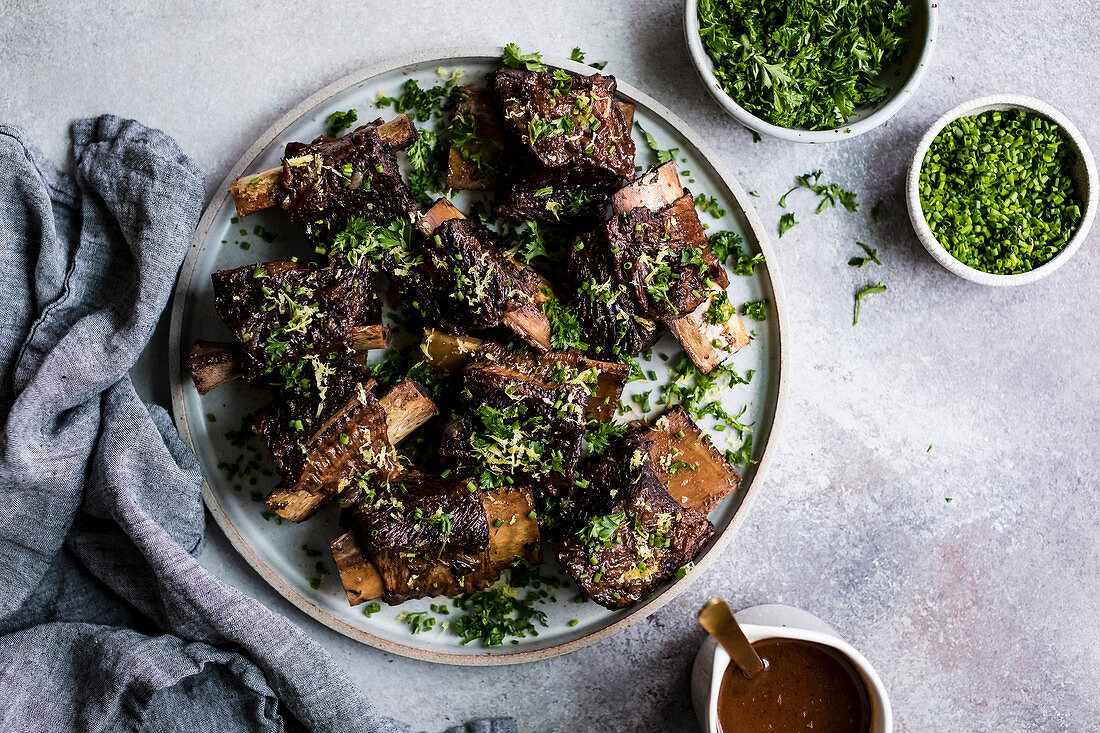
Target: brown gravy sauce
column 804, row 687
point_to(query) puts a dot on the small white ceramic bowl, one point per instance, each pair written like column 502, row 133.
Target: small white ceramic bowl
column 784, row 622
column 1083, row 174
column 910, row 70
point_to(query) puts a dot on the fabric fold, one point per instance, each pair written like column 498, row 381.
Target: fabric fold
column 108, row 621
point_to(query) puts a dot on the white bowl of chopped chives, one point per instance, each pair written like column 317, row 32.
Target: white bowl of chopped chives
column 791, row 76
column 1002, row 190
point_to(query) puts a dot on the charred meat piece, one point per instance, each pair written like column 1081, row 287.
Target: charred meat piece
column 477, row 143
column 213, row 363
column 283, row 313
column 568, row 195
column 343, row 450
column 330, row 180
column 626, row 534
column 611, row 321
column 428, row 536
column 513, row 424
column 658, row 250
column 649, row 264
column 257, row 191
column 687, row 464
column 462, row 281
column 446, row 353
column 710, row 331
column 572, row 140
column 563, row 119
column 476, row 157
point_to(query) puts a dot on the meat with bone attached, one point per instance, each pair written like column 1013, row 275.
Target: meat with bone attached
column 282, row 313
column 460, row 279
column 330, row 180
column 446, row 353
column 571, row 140
column 625, row 535
column 650, row 263
column 514, row 423
column 430, row 536
column 343, row 450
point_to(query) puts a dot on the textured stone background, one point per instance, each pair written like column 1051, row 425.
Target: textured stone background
column 980, row 613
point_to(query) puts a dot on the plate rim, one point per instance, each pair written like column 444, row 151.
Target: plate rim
column 178, row 382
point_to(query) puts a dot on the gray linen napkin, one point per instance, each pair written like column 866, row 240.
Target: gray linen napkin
column 107, row 621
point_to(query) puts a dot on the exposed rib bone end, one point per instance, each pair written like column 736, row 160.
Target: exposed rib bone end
column 446, row 353
column 708, row 344
column 407, row 406
column 653, row 190
column 530, row 324
column 365, row 338
column 441, row 211
column 360, row 578
column 212, row 364
column 258, row 191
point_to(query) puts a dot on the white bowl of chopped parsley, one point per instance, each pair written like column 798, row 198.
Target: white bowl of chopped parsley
column 811, row 71
column 1002, row 190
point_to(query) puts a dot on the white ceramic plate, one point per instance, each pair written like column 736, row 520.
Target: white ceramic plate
column 276, row 550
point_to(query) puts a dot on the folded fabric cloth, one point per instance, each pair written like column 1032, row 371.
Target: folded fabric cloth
column 107, row 621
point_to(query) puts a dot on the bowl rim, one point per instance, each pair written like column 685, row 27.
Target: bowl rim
column 882, row 714
column 973, row 107
column 704, row 67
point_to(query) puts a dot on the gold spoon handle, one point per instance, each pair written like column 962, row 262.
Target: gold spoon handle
column 718, row 620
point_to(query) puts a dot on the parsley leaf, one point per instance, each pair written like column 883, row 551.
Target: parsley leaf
column 869, row 290
column 663, row 156
column 340, row 121
column 872, row 256
column 515, row 58
column 786, row 222
column 757, row 310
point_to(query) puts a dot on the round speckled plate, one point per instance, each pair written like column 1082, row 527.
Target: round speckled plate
column 234, row 486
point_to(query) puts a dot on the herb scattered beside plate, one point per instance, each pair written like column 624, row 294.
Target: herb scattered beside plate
column 803, row 63
column 996, row 191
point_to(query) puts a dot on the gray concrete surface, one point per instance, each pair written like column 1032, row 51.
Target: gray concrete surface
column 967, row 573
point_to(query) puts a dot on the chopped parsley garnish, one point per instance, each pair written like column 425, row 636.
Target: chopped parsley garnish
column 725, row 244
column 493, row 614
column 565, row 329
column 663, row 156
column 831, row 193
column 709, row 205
column 371, row 608
column 869, row 290
column 600, row 434
column 872, row 256
column 578, row 56
column 720, row 310
column 517, row 59
column 340, row 121
column 428, row 161
column 601, row 530
column 422, row 103
column 786, row 222
column 801, row 63
column 756, row 310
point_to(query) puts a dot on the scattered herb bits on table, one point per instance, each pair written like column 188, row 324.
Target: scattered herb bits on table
column 800, row 63
column 996, row 191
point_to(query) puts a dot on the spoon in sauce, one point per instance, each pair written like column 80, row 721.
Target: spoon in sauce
column 716, row 617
